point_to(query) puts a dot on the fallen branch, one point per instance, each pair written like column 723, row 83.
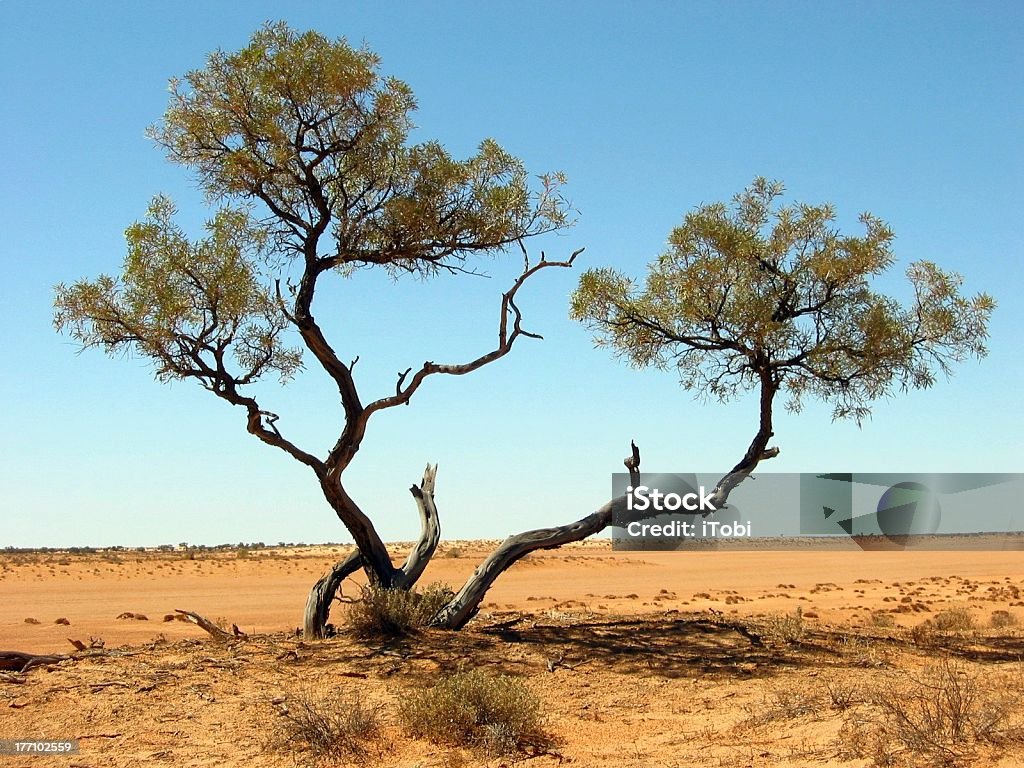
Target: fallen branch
column 16, row 661
column 204, row 623
column 554, row 664
column 6, row 677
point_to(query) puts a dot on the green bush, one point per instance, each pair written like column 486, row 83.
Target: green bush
column 495, row 713
column 394, row 612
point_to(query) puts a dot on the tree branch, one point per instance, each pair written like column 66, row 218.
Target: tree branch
column 506, row 338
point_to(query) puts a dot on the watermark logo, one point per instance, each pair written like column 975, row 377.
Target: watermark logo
column 820, row 511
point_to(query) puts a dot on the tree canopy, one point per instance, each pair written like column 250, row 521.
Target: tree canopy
column 760, row 295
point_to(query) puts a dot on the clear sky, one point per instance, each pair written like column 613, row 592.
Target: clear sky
column 912, row 110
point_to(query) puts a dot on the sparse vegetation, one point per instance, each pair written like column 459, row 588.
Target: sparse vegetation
column 496, row 714
column 335, row 723
column 940, row 717
column 954, row 620
column 392, row 612
column 882, row 619
column 1003, row 619
column 785, row 628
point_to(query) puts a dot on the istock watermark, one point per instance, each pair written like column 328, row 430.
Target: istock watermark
column 642, row 499
column 838, row 510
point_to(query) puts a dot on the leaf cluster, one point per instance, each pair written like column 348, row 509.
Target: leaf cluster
column 310, row 128
column 759, row 293
column 193, row 307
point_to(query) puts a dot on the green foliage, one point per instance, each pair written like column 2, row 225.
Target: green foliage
column 762, row 293
column 496, row 713
column 384, row 612
column 185, row 305
column 309, row 127
column 304, row 132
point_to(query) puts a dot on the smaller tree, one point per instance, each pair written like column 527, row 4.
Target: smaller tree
column 767, row 297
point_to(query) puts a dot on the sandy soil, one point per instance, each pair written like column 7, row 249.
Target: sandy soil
column 640, row 659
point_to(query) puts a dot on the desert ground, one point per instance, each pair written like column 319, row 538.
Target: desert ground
column 718, row 658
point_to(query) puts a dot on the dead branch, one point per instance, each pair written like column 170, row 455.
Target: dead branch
column 553, row 664
column 17, row 661
column 204, row 623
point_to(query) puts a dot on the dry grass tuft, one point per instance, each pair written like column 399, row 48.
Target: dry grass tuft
column 1002, row 619
column 497, row 714
column 941, row 716
column 784, row 628
column 334, row 724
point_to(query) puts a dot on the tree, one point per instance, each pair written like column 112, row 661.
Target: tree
column 305, row 147
column 767, row 297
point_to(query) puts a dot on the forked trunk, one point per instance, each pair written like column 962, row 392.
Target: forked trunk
column 321, row 596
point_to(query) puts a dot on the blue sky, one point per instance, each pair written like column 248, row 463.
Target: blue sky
column 913, row 111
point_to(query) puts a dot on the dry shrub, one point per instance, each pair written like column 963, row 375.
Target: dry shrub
column 939, row 717
column 784, row 628
column 783, row 703
column 882, row 619
column 843, row 695
column 495, row 713
column 1002, row 619
column 331, row 724
column 954, row 620
column 395, row 612
column 925, row 635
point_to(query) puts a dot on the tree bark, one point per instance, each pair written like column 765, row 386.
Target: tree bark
column 18, row 661
column 430, row 531
column 321, row 596
column 758, row 449
column 466, row 603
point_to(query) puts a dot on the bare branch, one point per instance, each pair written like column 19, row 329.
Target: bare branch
column 208, row 626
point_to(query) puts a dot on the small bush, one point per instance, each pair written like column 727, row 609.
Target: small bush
column 1003, row 619
column 843, row 695
column 882, row 619
column 495, row 713
column 332, row 724
column 395, row 612
column 954, row 620
column 924, row 634
column 939, row 717
column 785, row 627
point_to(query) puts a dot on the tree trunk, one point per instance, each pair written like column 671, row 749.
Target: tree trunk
column 321, row 596
column 466, row 603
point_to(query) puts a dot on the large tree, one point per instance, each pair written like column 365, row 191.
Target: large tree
column 306, row 149
column 768, row 297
